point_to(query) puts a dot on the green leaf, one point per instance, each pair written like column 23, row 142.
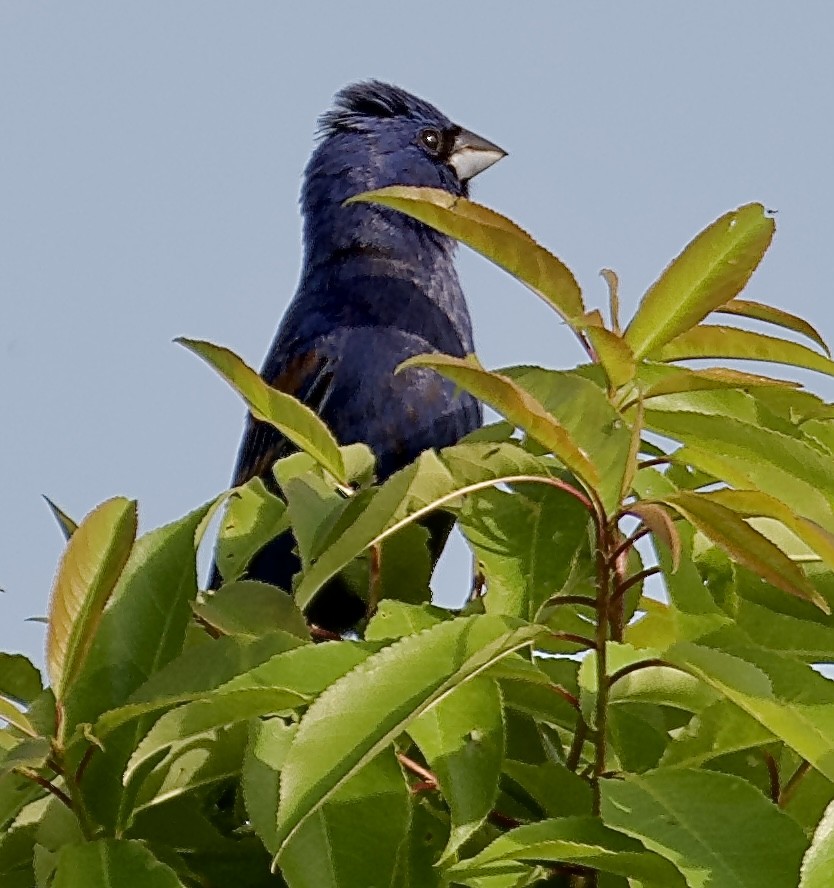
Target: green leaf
column 431, row 482
column 787, row 697
column 659, row 380
column 462, row 739
column 90, row 568
column 253, row 517
column 695, row 611
column 531, row 544
column 368, row 520
column 582, row 407
column 393, row 619
column 325, row 850
column 30, row 753
column 424, row 843
column 194, row 674
column 716, row 829
column 106, row 863
column 517, row 405
column 613, row 353
column 387, row 693
column 745, row 544
column 16, row 793
column 19, row 679
column 770, row 315
column 544, row 689
column 753, row 503
column 11, row 714
column 284, row 682
column 296, row 421
column 269, row 742
column 67, row 525
column 252, row 609
column 203, row 764
column 581, row 841
column 144, row 626
column 493, row 236
column 711, row 270
column 818, row 863
column 715, row 341
column 749, row 455
column 405, row 566
column 16, row 854
column 555, row 789
column 718, row 730
column 181, row 725
column 142, row 630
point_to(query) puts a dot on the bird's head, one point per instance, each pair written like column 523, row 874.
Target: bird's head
column 376, row 135
column 395, row 138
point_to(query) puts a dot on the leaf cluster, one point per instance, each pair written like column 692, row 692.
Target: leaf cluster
column 630, row 694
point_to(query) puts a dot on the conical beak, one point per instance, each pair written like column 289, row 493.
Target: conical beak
column 472, row 154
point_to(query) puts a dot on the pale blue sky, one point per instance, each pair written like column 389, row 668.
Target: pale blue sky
column 150, row 156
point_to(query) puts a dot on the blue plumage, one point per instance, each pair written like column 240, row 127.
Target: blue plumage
column 376, row 287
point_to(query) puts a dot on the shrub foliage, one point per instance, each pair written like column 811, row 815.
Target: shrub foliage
column 576, row 723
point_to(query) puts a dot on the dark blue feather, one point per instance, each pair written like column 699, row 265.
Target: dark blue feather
column 376, row 288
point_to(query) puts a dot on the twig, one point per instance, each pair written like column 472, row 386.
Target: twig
column 567, row 696
column 601, row 707
column 793, row 783
column 628, row 542
column 49, row 787
column 418, row 769
column 374, row 577
column 576, row 639
column 323, row 634
column 578, row 742
column 773, row 774
column 623, row 587
column 634, row 667
column 656, row 461
column 502, row 821
column 85, row 760
column 558, row 600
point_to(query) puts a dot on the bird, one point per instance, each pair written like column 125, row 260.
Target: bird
column 376, row 287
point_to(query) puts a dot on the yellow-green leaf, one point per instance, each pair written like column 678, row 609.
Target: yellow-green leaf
column 770, row 315
column 660, row 523
column 493, row 236
column 755, row 503
column 715, row 341
column 744, row 544
column 660, row 380
column 290, row 416
column 613, row 353
column 516, row 405
column 11, row 714
column 711, row 270
column 91, row 564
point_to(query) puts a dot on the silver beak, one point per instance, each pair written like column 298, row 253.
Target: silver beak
column 472, row 154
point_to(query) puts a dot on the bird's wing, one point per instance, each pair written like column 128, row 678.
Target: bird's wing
column 307, row 376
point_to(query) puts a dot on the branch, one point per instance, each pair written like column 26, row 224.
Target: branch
column 773, row 773
column 793, row 783
column 629, row 541
column 634, row 667
column 623, row 587
column 558, row 600
column 409, row 764
column 49, row 787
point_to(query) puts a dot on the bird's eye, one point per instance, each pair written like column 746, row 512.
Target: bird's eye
column 430, row 138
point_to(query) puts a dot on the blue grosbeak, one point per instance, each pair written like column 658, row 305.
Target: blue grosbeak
column 376, row 288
